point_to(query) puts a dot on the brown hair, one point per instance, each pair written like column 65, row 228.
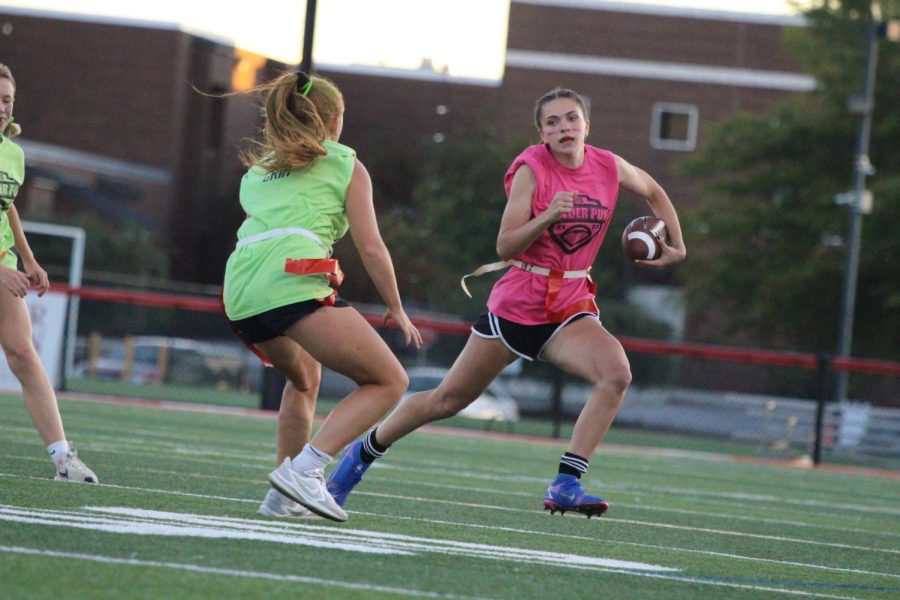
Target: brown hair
column 553, row 95
column 12, row 129
column 296, row 121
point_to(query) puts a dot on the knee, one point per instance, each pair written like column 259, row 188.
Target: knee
column 304, row 384
column 20, row 356
column 397, row 381
column 444, row 405
column 303, row 379
column 615, row 379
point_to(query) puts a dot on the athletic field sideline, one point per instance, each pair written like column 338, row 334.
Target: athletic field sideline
column 444, row 515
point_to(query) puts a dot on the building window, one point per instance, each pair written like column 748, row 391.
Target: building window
column 674, row 126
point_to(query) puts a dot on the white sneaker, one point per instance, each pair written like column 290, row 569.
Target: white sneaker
column 307, row 488
column 277, row 504
column 70, row 468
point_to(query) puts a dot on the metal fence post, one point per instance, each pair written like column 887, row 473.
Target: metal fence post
column 558, row 382
column 823, row 372
column 272, row 387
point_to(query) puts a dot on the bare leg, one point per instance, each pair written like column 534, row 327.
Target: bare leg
column 25, row 364
column 342, row 340
column 298, row 400
column 586, row 349
column 476, row 367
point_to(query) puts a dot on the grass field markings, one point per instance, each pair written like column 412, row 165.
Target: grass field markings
column 477, row 476
column 631, row 505
column 455, row 503
column 116, row 486
column 200, row 569
column 281, row 524
column 356, row 586
column 206, row 496
column 106, row 443
column 606, row 518
column 721, row 581
column 162, row 523
column 830, row 506
column 723, row 457
column 494, row 475
column 573, row 537
column 177, row 472
column 393, row 496
column 142, row 526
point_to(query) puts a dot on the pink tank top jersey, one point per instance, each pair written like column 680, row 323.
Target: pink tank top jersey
column 570, row 244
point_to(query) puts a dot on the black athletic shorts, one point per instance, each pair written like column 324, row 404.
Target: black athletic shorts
column 273, row 323
column 526, row 341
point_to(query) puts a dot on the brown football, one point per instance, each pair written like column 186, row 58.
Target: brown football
column 643, row 238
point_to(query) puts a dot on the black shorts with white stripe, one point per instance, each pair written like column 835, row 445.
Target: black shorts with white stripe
column 527, row 341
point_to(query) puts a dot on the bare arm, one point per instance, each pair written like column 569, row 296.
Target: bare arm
column 373, row 252
column 517, row 229
column 641, row 183
column 34, row 276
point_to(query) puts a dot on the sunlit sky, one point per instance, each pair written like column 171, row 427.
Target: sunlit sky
column 465, row 36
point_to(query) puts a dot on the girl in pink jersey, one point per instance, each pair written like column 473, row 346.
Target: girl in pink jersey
column 561, row 194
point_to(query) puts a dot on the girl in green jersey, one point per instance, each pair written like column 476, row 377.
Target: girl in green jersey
column 302, row 192
column 15, row 322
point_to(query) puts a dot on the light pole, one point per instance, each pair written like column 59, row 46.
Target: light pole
column 858, row 199
column 309, row 28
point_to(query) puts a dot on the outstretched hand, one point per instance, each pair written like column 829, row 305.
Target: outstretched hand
column 410, row 332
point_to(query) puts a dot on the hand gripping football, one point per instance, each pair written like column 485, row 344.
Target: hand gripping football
column 643, row 238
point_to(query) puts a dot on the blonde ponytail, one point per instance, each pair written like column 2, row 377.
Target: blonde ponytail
column 297, row 110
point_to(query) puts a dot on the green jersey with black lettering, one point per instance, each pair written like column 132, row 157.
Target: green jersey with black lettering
column 312, row 199
column 12, row 174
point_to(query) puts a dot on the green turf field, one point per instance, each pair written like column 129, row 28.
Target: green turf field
column 442, row 516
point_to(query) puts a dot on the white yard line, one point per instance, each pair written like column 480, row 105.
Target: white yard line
column 663, row 509
column 193, row 568
column 624, row 543
column 126, row 520
column 645, row 524
column 131, row 521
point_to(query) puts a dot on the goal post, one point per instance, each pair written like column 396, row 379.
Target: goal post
column 55, row 315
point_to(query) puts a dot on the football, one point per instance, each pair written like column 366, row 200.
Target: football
column 643, row 238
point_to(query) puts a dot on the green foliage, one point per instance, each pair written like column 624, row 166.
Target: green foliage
column 766, row 240
column 110, row 246
column 451, row 227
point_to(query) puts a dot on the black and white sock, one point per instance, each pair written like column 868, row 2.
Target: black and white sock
column 572, row 464
column 371, row 449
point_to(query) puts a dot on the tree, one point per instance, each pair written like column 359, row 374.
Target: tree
column 451, row 225
column 767, row 239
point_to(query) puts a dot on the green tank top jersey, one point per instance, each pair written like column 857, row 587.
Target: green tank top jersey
column 313, row 199
column 12, row 174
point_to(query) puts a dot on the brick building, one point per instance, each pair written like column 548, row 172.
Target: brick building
column 113, row 121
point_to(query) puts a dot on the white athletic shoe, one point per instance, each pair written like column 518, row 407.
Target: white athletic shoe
column 307, row 488
column 70, row 468
column 277, row 504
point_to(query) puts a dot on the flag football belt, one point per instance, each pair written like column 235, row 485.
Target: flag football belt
column 304, row 266
column 556, row 278
column 299, row 266
column 281, row 232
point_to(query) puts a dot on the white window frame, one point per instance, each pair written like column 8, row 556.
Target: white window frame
column 693, row 115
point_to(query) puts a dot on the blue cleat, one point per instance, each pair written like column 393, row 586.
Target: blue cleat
column 565, row 493
column 348, row 472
